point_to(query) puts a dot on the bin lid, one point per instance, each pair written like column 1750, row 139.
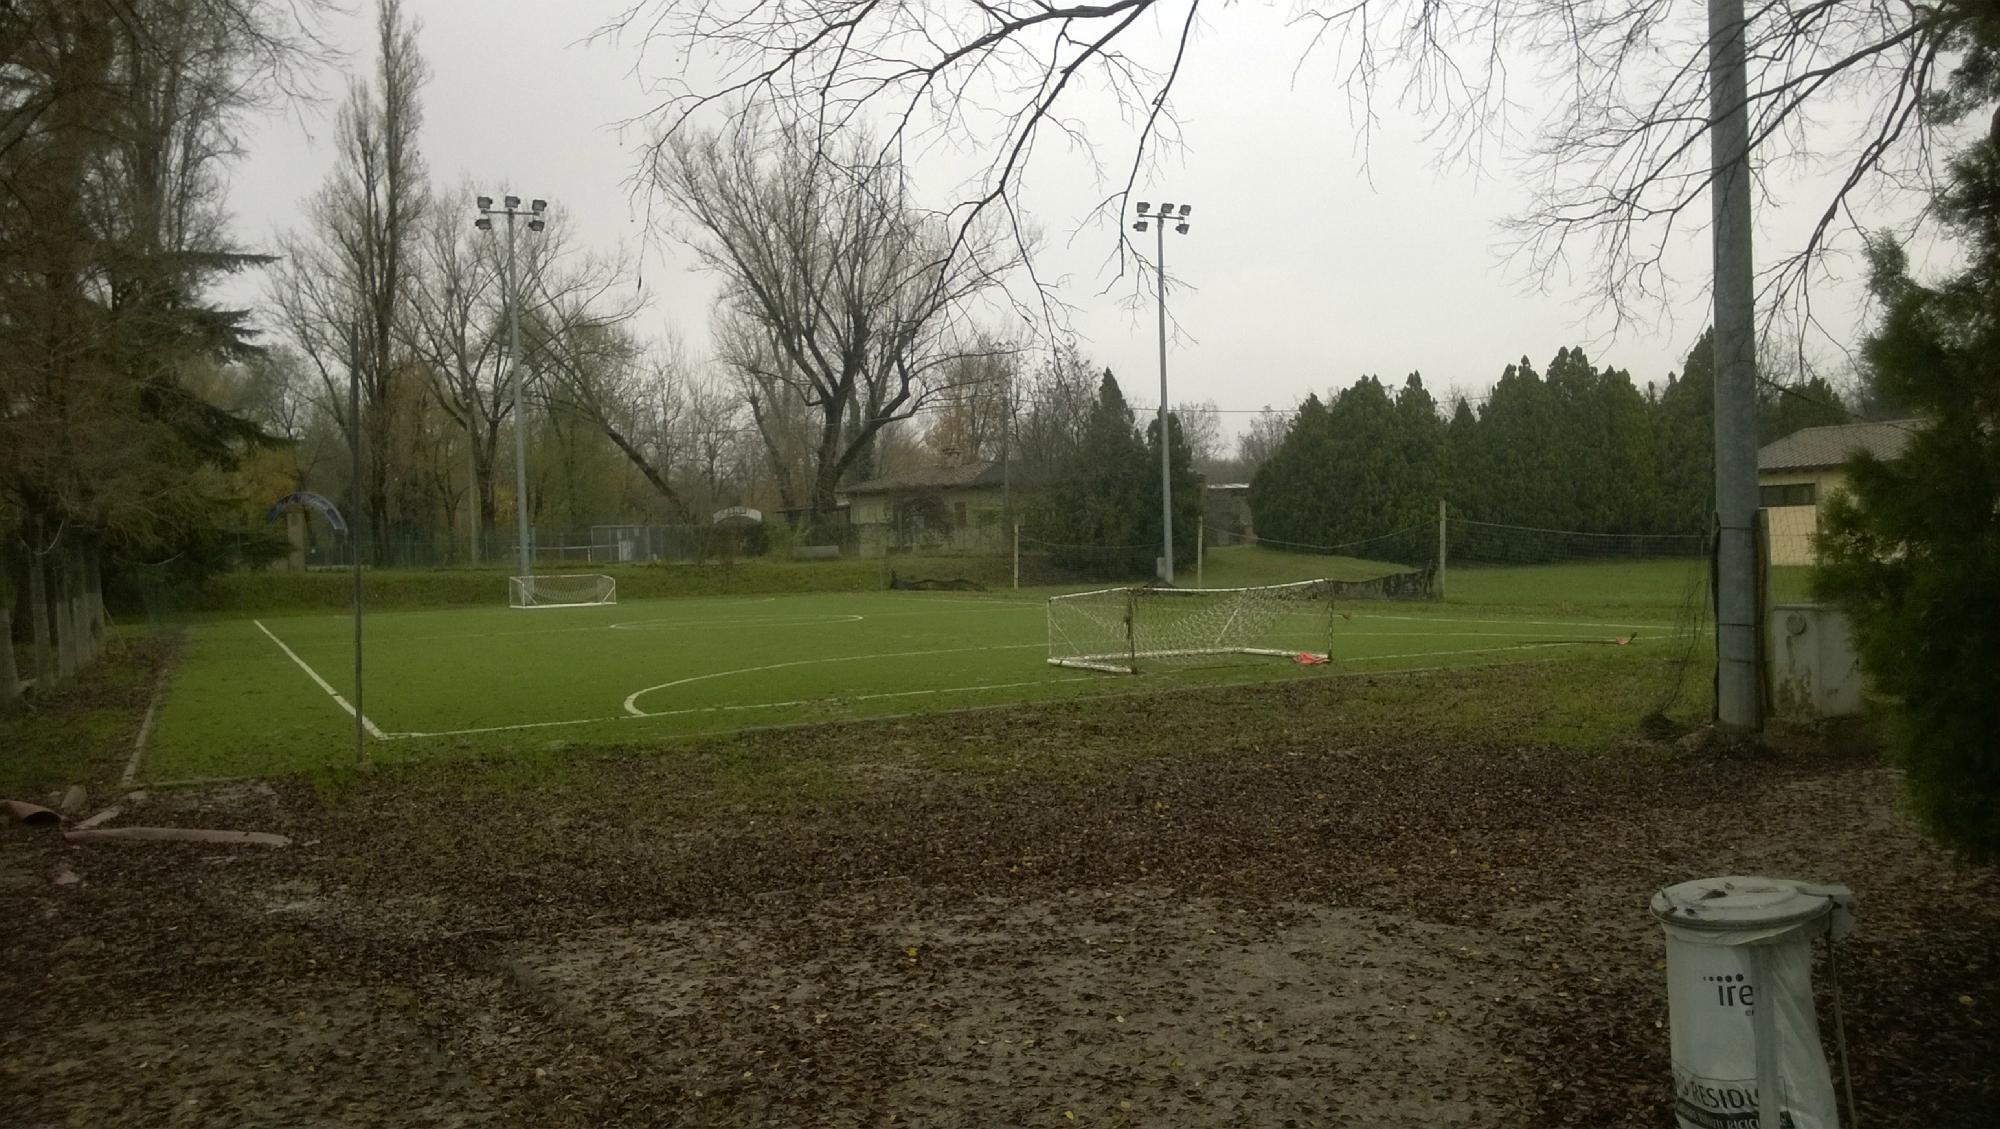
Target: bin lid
column 1738, row 902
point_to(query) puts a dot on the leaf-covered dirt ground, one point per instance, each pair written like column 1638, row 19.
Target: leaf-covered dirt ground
column 1269, row 906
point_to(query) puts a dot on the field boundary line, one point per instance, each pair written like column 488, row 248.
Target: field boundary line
column 1535, row 646
column 632, row 710
column 1446, row 618
column 145, row 735
column 508, row 728
column 374, row 730
column 746, row 707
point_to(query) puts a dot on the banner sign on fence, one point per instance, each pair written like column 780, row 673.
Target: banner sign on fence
column 739, row 513
column 308, row 498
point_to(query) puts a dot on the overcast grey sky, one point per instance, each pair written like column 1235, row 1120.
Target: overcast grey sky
column 1307, row 269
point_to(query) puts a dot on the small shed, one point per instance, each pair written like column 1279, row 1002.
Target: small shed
column 1797, row 474
column 952, row 509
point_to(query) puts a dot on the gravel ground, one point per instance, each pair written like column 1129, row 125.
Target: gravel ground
column 1243, row 907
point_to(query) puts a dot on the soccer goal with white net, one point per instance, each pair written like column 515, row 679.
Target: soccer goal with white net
column 562, row 591
column 1121, row 630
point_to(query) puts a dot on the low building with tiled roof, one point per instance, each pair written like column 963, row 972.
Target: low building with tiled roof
column 1797, row 474
column 960, row 508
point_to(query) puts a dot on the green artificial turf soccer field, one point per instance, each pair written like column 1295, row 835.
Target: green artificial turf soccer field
column 258, row 696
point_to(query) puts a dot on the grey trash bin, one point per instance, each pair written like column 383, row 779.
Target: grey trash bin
column 1746, row 1046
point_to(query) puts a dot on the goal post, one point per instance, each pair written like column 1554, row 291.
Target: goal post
column 1121, row 630
column 570, row 590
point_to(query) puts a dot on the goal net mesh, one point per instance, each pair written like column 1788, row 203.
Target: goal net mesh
column 562, row 591
column 1124, row 630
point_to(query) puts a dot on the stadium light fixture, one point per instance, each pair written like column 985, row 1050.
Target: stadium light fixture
column 511, row 210
column 1143, row 206
column 1161, row 219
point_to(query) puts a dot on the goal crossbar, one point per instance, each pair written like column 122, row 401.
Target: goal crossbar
column 1114, row 630
column 567, row 590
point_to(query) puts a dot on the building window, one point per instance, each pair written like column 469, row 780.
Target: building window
column 1791, row 494
column 958, row 513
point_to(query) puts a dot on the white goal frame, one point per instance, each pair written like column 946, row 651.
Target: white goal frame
column 562, row 590
column 1106, row 629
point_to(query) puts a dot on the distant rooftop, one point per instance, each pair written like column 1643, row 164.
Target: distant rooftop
column 1815, row 447
column 984, row 473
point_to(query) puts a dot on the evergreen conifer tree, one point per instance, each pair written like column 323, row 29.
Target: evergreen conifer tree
column 1912, row 551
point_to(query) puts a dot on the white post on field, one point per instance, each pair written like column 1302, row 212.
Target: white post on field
column 1200, row 547
column 1439, row 591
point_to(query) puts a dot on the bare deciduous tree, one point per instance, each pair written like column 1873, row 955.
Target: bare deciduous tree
column 1201, row 430
column 971, row 423
column 1260, row 437
column 344, row 286
column 842, row 296
column 1617, row 165
column 636, row 401
column 456, row 321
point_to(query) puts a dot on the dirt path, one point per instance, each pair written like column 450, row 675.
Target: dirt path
column 1319, row 926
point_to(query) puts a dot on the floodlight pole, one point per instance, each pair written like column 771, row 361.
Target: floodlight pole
column 511, row 207
column 1159, row 220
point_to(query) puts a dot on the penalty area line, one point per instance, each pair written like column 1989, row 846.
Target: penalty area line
column 374, row 730
column 749, row 707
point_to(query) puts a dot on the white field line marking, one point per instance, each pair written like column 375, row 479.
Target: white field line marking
column 505, row 728
column 951, row 689
column 868, row 697
column 631, row 699
column 751, row 706
column 374, row 730
column 145, row 736
column 804, row 619
column 1469, row 635
column 1468, row 651
column 1510, row 622
column 668, row 623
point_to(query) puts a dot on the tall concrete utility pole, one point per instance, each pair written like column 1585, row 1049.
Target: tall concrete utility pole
column 1738, row 706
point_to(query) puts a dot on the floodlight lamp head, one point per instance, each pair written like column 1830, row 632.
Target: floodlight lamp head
column 1166, row 209
column 539, row 206
column 537, row 225
column 1181, row 228
column 513, row 201
column 483, row 224
column 1139, row 225
column 484, row 202
column 1143, row 206
column 1186, row 208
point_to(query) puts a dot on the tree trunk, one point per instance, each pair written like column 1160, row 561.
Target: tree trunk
column 95, row 628
column 38, row 608
column 64, row 603
column 474, row 496
column 10, row 678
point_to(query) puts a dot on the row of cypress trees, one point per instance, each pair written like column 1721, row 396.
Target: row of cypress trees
column 1577, row 448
